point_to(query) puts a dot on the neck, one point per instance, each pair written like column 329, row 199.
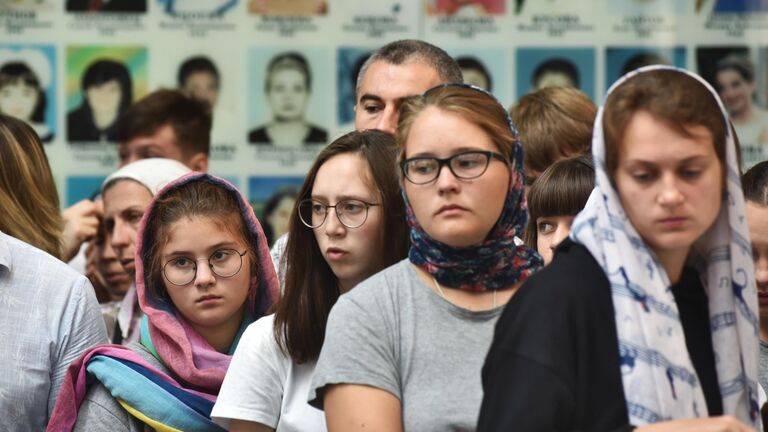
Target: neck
column 742, row 116
column 221, row 337
column 103, row 119
column 673, row 262
column 346, row 284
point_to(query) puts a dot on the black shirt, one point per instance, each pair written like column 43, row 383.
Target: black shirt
column 554, row 361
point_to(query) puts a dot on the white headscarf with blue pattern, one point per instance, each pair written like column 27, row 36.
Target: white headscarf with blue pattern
column 660, row 382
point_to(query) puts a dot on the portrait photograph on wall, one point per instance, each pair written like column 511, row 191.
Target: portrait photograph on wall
column 287, row 109
column 209, row 7
column 288, row 7
column 547, row 67
column 29, row 5
column 485, row 68
column 102, row 82
column 28, row 86
column 731, row 71
column 620, row 60
column 272, row 199
column 349, row 62
column 106, row 5
column 465, row 7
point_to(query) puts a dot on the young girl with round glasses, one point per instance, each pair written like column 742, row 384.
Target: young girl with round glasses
column 349, row 223
column 403, row 351
column 646, row 319
column 203, row 273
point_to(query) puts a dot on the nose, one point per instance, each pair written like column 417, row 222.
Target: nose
column 119, row 237
column 670, row 194
column 333, row 226
column 387, row 122
column 761, row 273
column 446, row 181
column 107, row 252
column 204, row 276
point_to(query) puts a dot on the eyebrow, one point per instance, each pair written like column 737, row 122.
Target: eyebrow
column 213, row 248
column 341, row 198
column 455, row 152
column 376, row 98
column 690, row 159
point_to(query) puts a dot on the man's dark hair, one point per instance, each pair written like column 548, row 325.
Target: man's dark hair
column 414, row 51
column 189, row 118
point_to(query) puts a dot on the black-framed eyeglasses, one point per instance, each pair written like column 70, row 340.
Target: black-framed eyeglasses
column 465, row 165
column 352, row 213
column 224, row 263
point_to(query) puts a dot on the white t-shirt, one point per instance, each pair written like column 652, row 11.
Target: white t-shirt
column 263, row 385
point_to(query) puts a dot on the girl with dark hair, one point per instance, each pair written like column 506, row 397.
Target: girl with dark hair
column 554, row 200
column 646, row 319
column 328, row 253
column 287, row 87
column 22, row 96
column 203, row 275
column 403, row 350
column 107, row 92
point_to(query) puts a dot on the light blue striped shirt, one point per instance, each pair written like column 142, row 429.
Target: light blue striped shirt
column 48, row 316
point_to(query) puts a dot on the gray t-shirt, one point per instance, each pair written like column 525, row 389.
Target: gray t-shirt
column 762, row 375
column 395, row 333
column 100, row 411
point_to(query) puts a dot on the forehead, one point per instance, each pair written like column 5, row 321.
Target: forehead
column 441, row 133
column 191, row 233
column 391, row 82
column 163, row 140
column 125, row 194
column 649, row 138
column 346, row 174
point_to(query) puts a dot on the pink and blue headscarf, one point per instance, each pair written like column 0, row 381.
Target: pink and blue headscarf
column 184, row 399
column 497, row 262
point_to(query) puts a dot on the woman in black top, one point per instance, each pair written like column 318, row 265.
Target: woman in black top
column 647, row 317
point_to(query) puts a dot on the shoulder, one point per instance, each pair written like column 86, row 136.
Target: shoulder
column 101, row 411
column 568, row 294
column 573, row 274
column 316, row 135
column 141, row 350
column 384, row 287
column 37, row 271
column 258, row 135
column 259, row 336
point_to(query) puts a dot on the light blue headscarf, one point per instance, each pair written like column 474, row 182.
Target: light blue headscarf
column 660, row 382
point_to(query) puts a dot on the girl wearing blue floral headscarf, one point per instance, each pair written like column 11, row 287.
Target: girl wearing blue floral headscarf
column 646, row 317
column 403, row 350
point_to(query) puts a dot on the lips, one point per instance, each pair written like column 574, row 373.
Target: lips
column 673, row 223
column 116, row 277
column 335, row 254
column 762, row 297
column 208, row 299
column 450, row 209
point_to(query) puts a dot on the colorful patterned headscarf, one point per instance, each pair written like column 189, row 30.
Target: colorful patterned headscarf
column 660, row 382
column 497, row 262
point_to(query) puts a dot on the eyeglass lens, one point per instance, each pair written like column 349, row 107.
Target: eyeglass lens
column 223, row 263
column 351, row 213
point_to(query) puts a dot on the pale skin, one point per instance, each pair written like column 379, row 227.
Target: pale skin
column 757, row 215
column 671, row 186
column 353, row 407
